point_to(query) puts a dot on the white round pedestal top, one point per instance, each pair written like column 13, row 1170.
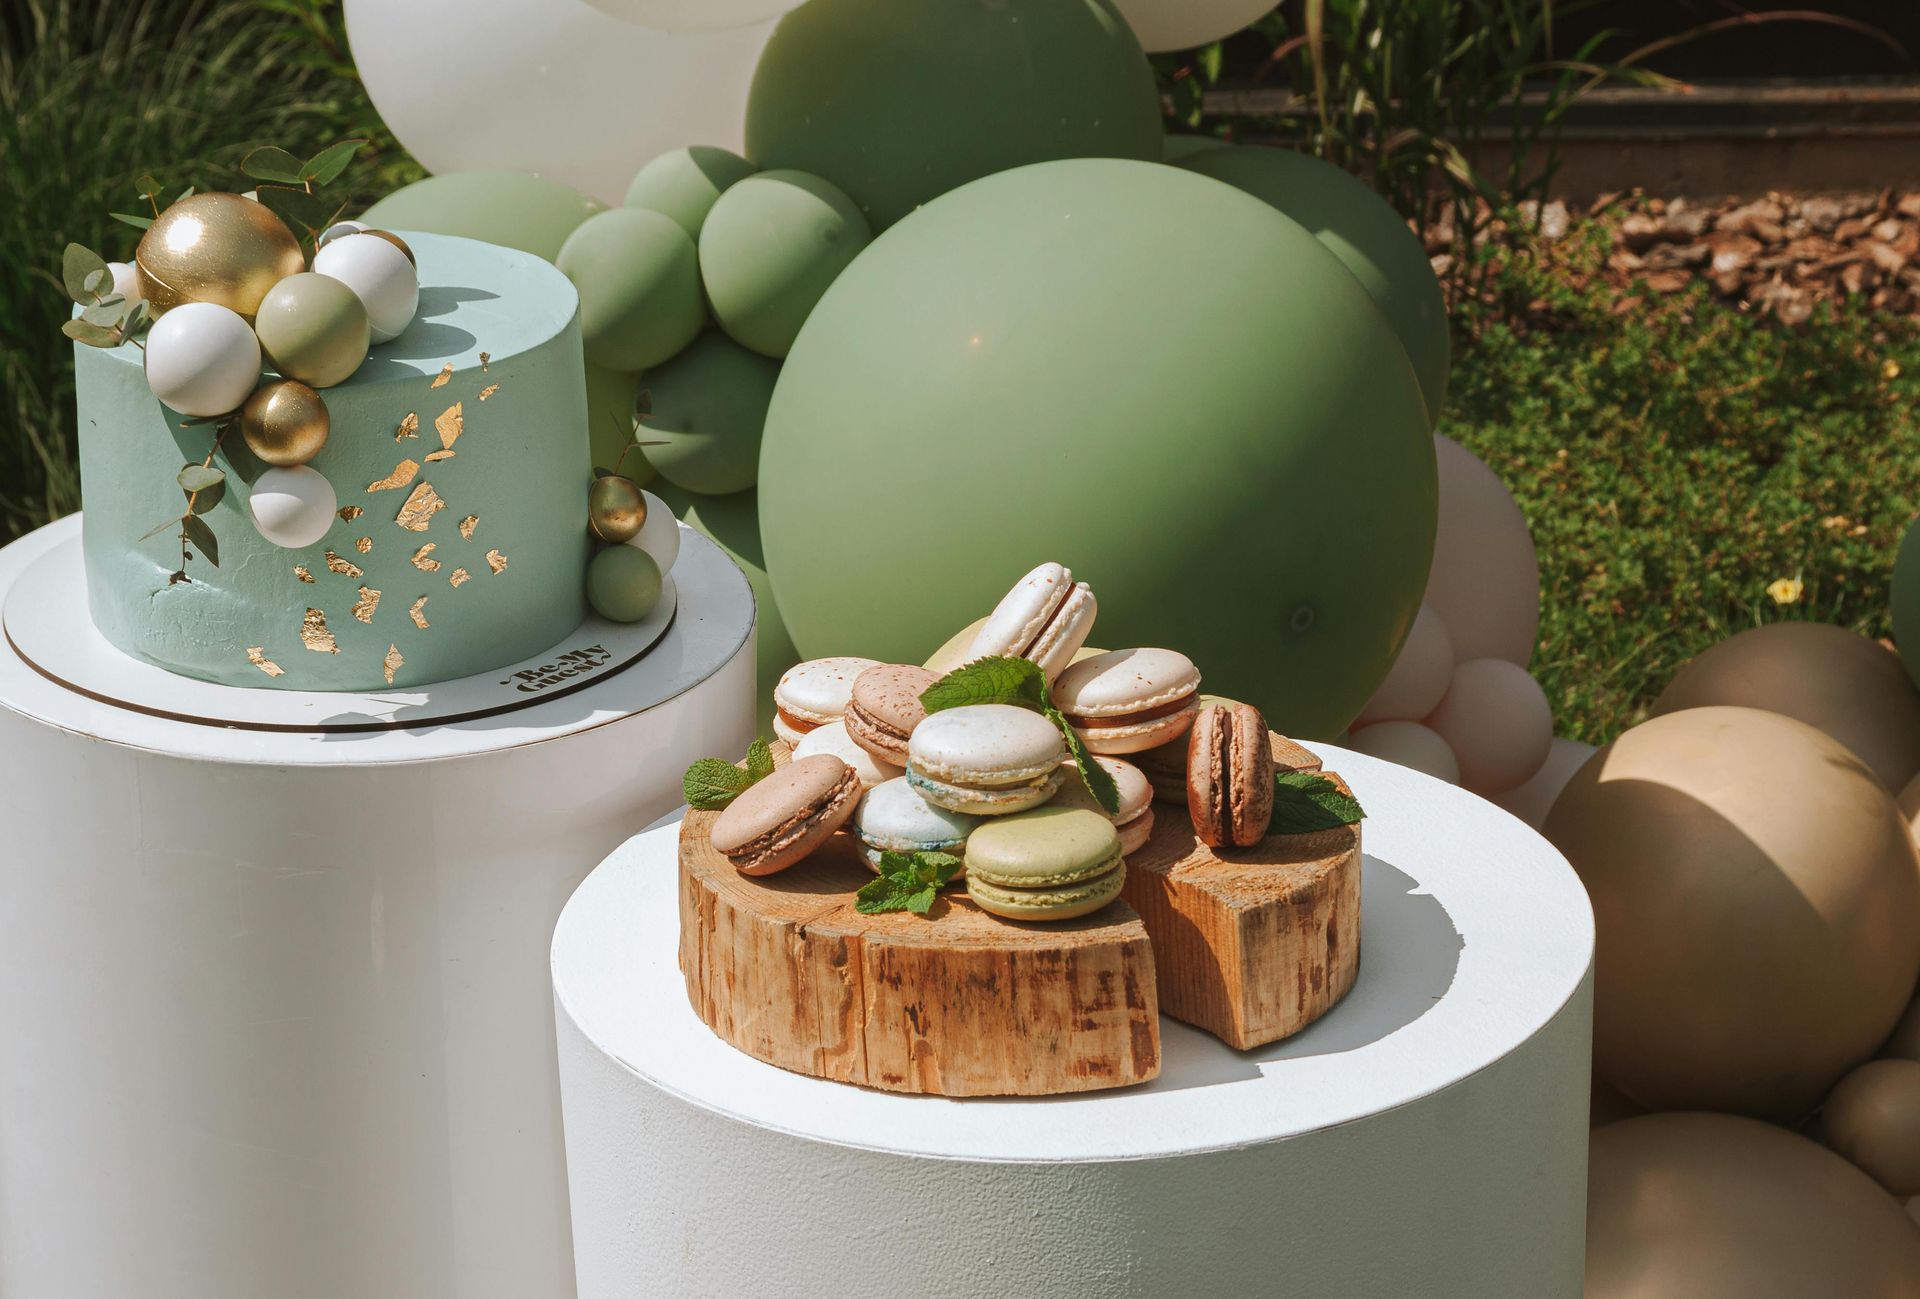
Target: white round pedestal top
column 1474, row 935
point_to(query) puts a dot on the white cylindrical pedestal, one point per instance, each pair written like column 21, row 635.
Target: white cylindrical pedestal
column 274, row 1007
column 1427, row 1137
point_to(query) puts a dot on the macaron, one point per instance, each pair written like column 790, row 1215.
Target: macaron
column 833, row 739
column 814, row 693
column 1045, row 618
column 892, row 817
column 1165, row 765
column 986, row 759
column 781, row 819
column 1230, row 776
column 885, row 708
column 1134, row 820
column 1053, row 863
column 1128, row 701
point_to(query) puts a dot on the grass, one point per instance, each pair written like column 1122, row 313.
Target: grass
column 1676, row 458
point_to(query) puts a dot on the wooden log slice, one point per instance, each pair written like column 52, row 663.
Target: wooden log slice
column 959, row 1003
column 1250, row 944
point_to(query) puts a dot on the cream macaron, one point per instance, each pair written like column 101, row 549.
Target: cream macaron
column 892, row 817
column 1127, row 701
column 1045, row 618
column 986, row 759
column 1134, row 820
column 813, row 693
column 833, row 739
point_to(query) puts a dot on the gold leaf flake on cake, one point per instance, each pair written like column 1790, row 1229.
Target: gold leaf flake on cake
column 458, row 576
column 344, row 567
column 393, row 662
column 303, row 573
column 444, row 378
column 496, row 561
column 348, row 513
column 409, row 427
column 423, row 560
column 419, row 613
column 489, row 390
column 314, row 634
column 364, row 545
column 450, row 424
column 484, row 358
column 402, row 475
column 256, row 655
column 467, row 525
column 422, row 504
column 364, row 607
column 439, row 455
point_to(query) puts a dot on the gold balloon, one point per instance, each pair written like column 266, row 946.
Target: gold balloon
column 285, row 422
column 218, row 248
column 615, row 508
column 1872, row 1119
column 1709, row 1206
column 1834, row 680
column 1756, row 902
column 396, row 241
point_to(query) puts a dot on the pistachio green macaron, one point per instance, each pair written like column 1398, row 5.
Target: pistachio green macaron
column 1053, row 863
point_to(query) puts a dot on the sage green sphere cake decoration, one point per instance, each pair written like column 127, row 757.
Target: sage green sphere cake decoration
column 708, row 408
column 771, row 246
column 899, row 101
column 1138, row 371
column 1363, row 231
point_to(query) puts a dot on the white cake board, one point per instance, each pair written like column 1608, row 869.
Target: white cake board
column 1427, row 1138
column 274, row 1003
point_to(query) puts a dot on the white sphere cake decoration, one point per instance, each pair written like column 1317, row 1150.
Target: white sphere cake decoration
column 339, row 229
column 1418, row 679
column 1408, row 744
column 659, row 536
column 379, row 274
column 293, row 507
column 126, row 280
column 1497, row 721
column 202, row 359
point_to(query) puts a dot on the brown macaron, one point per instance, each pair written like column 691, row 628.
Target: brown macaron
column 1230, row 776
column 885, row 708
column 780, row 820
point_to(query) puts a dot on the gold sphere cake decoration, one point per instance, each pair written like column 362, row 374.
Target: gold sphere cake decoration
column 218, row 248
column 616, row 510
column 285, row 422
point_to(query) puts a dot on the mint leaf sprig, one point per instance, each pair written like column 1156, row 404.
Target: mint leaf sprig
column 1307, row 801
column 1003, row 680
column 712, row 783
column 908, row 881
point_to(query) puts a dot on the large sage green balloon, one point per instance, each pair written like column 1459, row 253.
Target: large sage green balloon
column 1363, row 231
column 1129, row 369
column 709, row 406
column 899, row 101
column 771, row 246
column 639, row 283
column 733, row 524
column 509, row 208
column 1906, row 601
column 683, row 184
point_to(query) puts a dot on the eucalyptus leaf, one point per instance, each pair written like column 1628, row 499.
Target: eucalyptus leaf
column 157, row 529
column 270, row 163
column 198, row 477
column 202, row 537
column 109, row 314
column 128, row 218
column 327, row 164
column 78, row 264
column 148, row 186
column 85, row 331
column 188, row 192
column 203, row 501
column 299, row 209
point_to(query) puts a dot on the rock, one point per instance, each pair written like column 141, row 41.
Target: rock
column 1823, row 212
column 1555, row 221
column 1639, row 230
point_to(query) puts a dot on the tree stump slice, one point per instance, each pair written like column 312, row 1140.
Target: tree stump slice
column 960, row 1003
column 1250, row 944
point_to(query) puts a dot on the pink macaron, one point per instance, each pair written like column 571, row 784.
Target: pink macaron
column 1128, row 701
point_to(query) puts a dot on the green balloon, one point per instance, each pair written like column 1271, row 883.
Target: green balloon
column 508, row 208
column 1131, row 370
column 771, row 246
column 313, row 328
column 1176, row 147
column 639, row 282
column 623, row 583
column 610, row 395
column 1364, row 232
column 684, row 183
column 733, row 524
column 1906, row 601
column 899, row 101
column 709, row 406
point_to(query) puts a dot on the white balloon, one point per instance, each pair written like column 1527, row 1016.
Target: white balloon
column 1485, row 579
column 1408, row 744
column 694, row 15
column 556, row 88
column 1498, row 723
column 126, row 280
column 1184, row 24
column 380, row 275
column 1533, row 800
column 202, row 359
column 292, row 507
column 659, row 536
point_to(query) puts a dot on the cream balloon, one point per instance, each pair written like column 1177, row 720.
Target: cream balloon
column 659, row 536
column 1709, row 1206
column 1496, row 720
column 1532, row 800
column 560, row 89
column 1872, row 1119
column 380, row 275
column 1910, row 806
column 1185, row 24
column 1904, row 1042
column 202, row 359
column 292, row 507
column 694, row 15
column 1408, row 744
column 1417, row 682
column 1486, row 578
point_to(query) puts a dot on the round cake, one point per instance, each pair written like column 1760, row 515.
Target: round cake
column 458, row 456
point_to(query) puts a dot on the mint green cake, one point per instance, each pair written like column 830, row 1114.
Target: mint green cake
column 400, row 591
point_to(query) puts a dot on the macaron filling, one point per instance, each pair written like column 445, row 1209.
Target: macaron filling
column 986, row 800
column 800, row 725
column 783, row 836
column 1098, row 721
